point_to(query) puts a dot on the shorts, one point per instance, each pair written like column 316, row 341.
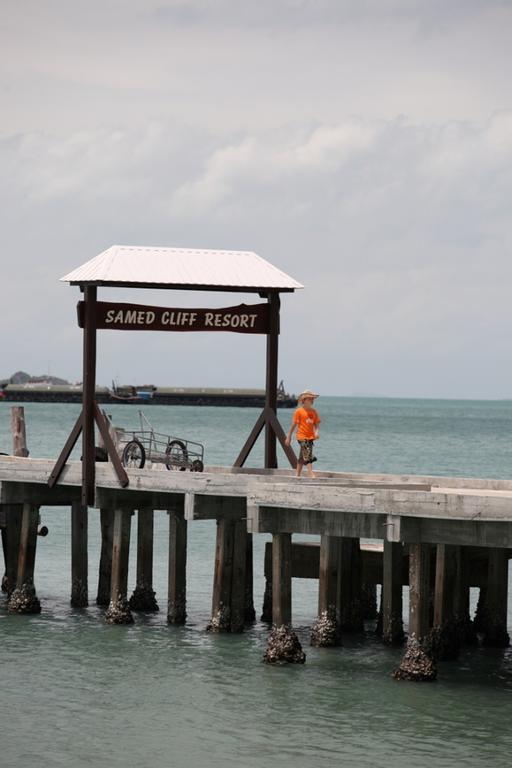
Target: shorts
column 306, row 451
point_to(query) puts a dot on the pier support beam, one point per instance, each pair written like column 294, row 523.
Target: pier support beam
column 416, row 664
column 496, row 602
column 143, row 597
column 118, row 611
column 326, row 630
column 105, row 572
column 79, row 560
column 177, row 574
column 11, row 544
column 350, row 606
column 392, row 600
column 283, row 644
column 23, row 599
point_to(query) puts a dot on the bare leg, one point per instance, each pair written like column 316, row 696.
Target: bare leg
column 299, row 468
column 309, row 468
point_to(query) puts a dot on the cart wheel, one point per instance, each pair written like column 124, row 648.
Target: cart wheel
column 197, row 466
column 134, row 455
column 176, row 455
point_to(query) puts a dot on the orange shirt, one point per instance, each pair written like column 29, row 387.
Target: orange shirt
column 306, row 420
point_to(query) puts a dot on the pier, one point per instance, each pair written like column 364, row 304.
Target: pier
column 374, row 534
column 438, row 536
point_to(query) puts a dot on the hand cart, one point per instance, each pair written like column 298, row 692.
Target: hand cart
column 144, row 444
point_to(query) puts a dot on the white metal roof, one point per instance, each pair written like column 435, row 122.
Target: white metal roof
column 123, row 265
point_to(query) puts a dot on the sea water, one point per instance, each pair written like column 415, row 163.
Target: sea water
column 77, row 692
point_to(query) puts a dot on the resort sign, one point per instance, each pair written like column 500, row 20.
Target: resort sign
column 243, row 318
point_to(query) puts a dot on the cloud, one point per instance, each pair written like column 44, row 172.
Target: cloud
column 305, row 13
column 399, row 230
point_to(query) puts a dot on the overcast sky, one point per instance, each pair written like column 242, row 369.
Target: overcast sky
column 362, row 146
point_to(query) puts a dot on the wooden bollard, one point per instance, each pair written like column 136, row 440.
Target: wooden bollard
column 392, row 601
column 143, row 597
column 177, row 574
column 19, row 435
column 23, row 599
column 118, row 611
column 105, row 567
column 79, row 556
column 283, row 644
column 326, row 630
column 417, row 664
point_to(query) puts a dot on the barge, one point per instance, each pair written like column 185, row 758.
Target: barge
column 144, row 395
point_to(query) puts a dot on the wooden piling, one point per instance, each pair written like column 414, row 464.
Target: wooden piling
column 495, row 630
column 143, row 597
column 23, row 599
column 250, row 613
column 222, row 578
column 392, row 599
column 349, row 586
column 177, row 574
column 79, row 556
column 118, row 610
column 282, row 579
column 444, row 636
column 326, row 630
column 238, row 577
column 13, row 512
column 465, row 625
column 11, row 542
column 417, row 664
column 283, row 644
column 105, row 567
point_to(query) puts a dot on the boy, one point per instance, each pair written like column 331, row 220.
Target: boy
column 306, row 420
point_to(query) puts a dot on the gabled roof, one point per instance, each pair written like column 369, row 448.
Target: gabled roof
column 185, row 268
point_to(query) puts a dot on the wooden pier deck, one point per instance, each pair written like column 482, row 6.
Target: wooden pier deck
column 454, row 532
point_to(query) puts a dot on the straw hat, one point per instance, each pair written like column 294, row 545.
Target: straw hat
column 307, row 393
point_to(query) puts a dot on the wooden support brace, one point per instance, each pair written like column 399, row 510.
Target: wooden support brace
column 66, row 452
column 109, row 445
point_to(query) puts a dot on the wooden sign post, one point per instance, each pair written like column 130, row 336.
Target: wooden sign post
column 260, row 318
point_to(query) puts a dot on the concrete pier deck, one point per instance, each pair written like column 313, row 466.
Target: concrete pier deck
column 405, row 508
